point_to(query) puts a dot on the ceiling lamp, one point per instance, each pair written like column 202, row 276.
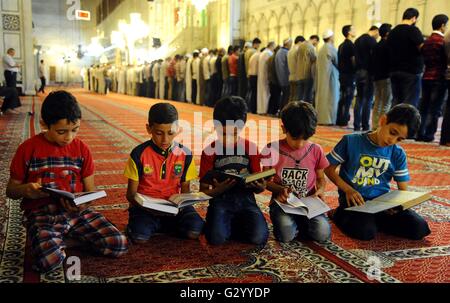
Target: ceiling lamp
column 200, row 4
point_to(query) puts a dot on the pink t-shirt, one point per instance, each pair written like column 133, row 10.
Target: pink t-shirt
column 296, row 168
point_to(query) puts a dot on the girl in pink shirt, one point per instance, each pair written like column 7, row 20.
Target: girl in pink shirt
column 300, row 168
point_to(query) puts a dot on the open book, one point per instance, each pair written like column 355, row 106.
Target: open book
column 173, row 204
column 75, row 198
column 242, row 179
column 309, row 206
column 396, row 198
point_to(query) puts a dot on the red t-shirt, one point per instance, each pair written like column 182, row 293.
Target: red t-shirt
column 60, row 167
column 243, row 158
column 233, row 64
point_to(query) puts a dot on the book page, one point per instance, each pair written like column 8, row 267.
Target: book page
column 399, row 196
column 315, row 206
column 63, row 193
column 301, row 211
column 179, row 199
column 294, row 201
column 373, row 207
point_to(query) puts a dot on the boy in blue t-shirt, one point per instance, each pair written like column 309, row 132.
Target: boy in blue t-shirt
column 368, row 163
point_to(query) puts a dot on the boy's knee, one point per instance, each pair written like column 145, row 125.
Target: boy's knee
column 192, row 235
column 320, row 231
column 260, row 238
column 285, row 234
column 419, row 230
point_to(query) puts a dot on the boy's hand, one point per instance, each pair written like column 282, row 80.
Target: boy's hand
column 258, row 185
column 33, row 191
column 68, row 206
column 354, row 198
column 225, row 185
column 319, row 194
column 283, row 195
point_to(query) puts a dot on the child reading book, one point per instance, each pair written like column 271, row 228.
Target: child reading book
column 300, row 172
column 233, row 212
column 57, row 159
column 160, row 168
column 368, row 162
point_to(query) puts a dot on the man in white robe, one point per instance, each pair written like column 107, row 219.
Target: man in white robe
column 188, row 78
column 327, row 90
column 263, row 95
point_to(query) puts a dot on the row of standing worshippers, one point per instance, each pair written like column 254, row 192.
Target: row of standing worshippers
column 205, row 76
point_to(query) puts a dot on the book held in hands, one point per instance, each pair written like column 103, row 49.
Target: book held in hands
column 75, row 198
column 310, row 207
column 393, row 199
column 243, row 179
column 173, row 204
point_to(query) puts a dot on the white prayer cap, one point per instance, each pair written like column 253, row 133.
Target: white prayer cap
column 204, row 50
column 286, row 41
column 248, row 44
column 327, row 34
column 196, row 51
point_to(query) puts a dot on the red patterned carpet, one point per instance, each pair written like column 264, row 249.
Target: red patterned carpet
column 113, row 124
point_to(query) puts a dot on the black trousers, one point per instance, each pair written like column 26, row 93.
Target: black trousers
column 41, row 89
column 10, row 78
column 362, row 226
column 445, row 133
column 11, row 100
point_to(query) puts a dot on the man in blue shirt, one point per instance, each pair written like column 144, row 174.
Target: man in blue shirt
column 369, row 161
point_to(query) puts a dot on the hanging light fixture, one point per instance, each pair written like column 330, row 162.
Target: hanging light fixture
column 200, row 4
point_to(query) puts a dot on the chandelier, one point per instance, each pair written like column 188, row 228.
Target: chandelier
column 200, row 4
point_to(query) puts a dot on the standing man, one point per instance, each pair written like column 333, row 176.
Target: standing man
column 11, row 68
column 405, row 42
column 433, row 83
column 364, row 46
column 382, row 83
column 282, row 70
column 327, row 93
column 305, row 68
column 263, row 90
column 346, row 58
column 293, row 71
column 42, row 76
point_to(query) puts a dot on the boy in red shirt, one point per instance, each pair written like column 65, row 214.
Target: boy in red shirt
column 57, row 159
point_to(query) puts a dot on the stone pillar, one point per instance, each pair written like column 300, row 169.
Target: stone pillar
column 16, row 32
column 235, row 14
column 29, row 74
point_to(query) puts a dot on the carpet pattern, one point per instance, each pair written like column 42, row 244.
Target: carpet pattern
column 112, row 125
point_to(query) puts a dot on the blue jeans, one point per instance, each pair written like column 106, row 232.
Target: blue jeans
column 286, row 227
column 364, row 100
column 347, row 82
column 304, row 90
column 405, row 88
column 383, row 99
column 235, row 215
column 433, row 94
column 143, row 224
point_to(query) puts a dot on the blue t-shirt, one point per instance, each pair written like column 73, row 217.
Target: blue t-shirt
column 367, row 167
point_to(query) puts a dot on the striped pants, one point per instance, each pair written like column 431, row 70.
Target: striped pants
column 48, row 225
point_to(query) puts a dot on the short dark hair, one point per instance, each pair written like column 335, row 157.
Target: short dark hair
column 405, row 114
column 346, row 29
column 385, row 28
column 299, row 39
column 299, row 119
column 256, row 41
column 42, row 61
column 60, row 105
column 314, row 37
column 162, row 113
column 410, row 13
column 232, row 108
column 438, row 21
